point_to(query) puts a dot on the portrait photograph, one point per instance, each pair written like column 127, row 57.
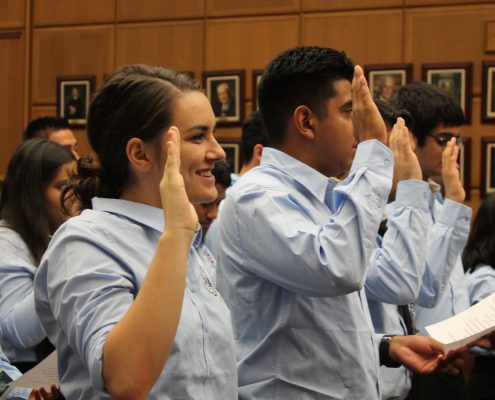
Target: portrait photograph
column 231, row 146
column 487, row 165
column 453, row 78
column 73, row 96
column 257, row 73
column 384, row 80
column 225, row 90
column 488, row 93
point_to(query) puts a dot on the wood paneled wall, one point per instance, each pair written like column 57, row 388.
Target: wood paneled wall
column 42, row 39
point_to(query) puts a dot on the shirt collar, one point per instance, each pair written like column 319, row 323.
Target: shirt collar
column 140, row 213
column 311, row 179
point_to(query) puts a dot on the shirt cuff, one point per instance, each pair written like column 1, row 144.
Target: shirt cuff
column 455, row 215
column 374, row 154
column 412, row 193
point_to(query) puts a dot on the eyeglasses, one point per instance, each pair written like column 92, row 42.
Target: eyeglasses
column 443, row 138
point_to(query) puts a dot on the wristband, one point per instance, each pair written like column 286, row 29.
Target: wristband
column 384, row 352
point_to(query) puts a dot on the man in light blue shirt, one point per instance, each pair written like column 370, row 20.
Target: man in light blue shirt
column 438, row 118
column 295, row 244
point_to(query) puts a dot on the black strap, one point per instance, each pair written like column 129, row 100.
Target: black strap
column 405, row 312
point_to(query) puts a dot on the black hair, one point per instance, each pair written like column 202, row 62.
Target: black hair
column 221, row 172
column 299, row 76
column 253, row 133
column 22, row 204
column 390, row 113
column 428, row 106
column 480, row 246
column 136, row 101
column 43, row 127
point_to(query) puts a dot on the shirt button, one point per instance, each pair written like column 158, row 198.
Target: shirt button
column 206, row 329
column 193, row 290
column 387, row 162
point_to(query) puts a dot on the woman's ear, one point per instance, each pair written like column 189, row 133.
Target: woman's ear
column 139, row 154
column 303, row 117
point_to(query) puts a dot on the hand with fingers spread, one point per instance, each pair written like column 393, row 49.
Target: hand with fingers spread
column 368, row 123
column 180, row 213
column 43, row 394
column 420, row 354
column 450, row 173
column 406, row 164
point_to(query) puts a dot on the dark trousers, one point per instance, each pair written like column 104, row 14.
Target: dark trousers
column 438, row 387
column 481, row 385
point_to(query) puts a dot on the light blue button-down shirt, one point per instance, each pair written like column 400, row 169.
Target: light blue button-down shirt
column 21, row 328
column 444, row 291
column 396, row 271
column 89, row 277
column 481, row 283
column 294, row 248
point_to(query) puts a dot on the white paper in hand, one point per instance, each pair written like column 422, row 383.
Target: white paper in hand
column 467, row 326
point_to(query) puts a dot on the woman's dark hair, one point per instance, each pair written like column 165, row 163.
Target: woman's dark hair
column 480, row 246
column 22, row 204
column 137, row 101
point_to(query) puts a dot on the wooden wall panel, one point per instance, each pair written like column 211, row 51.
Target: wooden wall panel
column 72, row 12
column 413, row 3
column 12, row 13
column 360, row 34
column 11, row 102
column 251, row 7
column 453, row 34
column 248, row 43
column 64, row 51
column 132, row 10
column 177, row 45
column 333, row 5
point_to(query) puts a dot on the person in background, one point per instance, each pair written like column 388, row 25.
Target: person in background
column 438, row 119
column 478, row 259
column 30, row 213
column 134, row 315
column 55, row 129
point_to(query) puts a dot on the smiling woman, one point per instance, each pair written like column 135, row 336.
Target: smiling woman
column 134, row 314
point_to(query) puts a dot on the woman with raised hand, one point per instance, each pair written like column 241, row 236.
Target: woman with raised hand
column 121, row 291
column 30, row 212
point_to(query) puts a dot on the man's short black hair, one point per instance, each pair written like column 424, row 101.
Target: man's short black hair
column 390, row 113
column 429, row 106
column 253, row 133
column 221, row 172
column 42, row 127
column 299, row 76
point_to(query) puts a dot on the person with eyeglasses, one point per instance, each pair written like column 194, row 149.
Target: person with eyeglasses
column 437, row 120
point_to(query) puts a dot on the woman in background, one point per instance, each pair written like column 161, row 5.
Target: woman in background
column 478, row 259
column 30, row 212
column 121, row 290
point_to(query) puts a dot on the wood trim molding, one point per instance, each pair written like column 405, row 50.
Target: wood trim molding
column 10, row 34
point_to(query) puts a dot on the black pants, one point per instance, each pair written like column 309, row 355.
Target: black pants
column 438, row 387
column 481, row 385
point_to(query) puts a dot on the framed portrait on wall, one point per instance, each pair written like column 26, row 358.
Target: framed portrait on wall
column 455, row 78
column 232, row 149
column 257, row 73
column 385, row 80
column 465, row 165
column 225, row 90
column 487, row 165
column 73, row 95
column 488, row 92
